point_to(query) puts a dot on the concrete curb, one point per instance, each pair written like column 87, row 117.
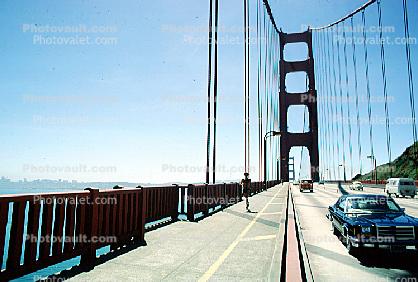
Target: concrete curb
column 307, row 267
column 276, row 263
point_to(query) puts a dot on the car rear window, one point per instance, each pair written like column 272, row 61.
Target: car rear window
column 407, row 183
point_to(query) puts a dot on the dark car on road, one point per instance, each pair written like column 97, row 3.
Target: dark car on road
column 374, row 221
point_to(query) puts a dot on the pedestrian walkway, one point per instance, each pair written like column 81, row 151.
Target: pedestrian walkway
column 229, row 245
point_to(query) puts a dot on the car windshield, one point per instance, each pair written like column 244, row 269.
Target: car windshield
column 371, row 204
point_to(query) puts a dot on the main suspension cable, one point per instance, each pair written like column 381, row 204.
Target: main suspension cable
column 360, row 9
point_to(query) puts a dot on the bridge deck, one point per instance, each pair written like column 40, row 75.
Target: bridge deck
column 229, row 245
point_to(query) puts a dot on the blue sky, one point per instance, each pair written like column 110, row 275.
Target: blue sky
column 131, row 105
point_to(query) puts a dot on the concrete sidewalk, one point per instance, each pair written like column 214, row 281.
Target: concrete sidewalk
column 231, row 245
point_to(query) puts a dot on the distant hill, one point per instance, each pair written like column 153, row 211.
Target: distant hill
column 403, row 166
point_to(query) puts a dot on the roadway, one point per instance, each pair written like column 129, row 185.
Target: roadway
column 328, row 257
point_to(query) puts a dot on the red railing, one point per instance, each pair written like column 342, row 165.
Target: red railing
column 271, row 183
column 373, row 182
column 46, row 229
column 121, row 216
column 233, row 193
column 60, row 226
column 257, row 187
column 204, row 197
column 381, row 182
column 161, row 203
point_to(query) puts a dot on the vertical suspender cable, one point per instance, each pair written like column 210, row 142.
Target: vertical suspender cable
column 215, row 90
column 411, row 83
column 316, row 72
column 385, row 92
column 357, row 97
column 328, row 97
column 245, row 86
column 319, row 71
column 209, row 93
column 335, row 108
column 270, row 60
column 341, row 101
column 266, row 38
column 348, row 102
column 366, row 62
column 264, row 96
column 331, row 100
column 267, row 87
column 259, row 104
column 301, row 150
column 324, row 105
column 325, row 102
column 304, row 127
column 247, row 29
column 278, row 101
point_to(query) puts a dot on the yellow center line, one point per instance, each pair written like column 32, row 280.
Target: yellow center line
column 271, row 213
column 214, row 267
column 259, row 238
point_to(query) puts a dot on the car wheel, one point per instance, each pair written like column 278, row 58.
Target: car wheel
column 300, row 190
column 412, row 196
column 311, row 191
column 335, row 231
column 397, row 195
column 352, row 250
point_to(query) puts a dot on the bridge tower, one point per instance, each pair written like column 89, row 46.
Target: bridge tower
column 286, row 99
column 292, row 169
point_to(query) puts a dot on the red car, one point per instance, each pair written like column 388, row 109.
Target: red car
column 306, row 185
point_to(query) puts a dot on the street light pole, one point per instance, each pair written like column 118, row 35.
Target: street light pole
column 268, row 134
column 345, row 177
column 277, row 169
column 373, row 159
